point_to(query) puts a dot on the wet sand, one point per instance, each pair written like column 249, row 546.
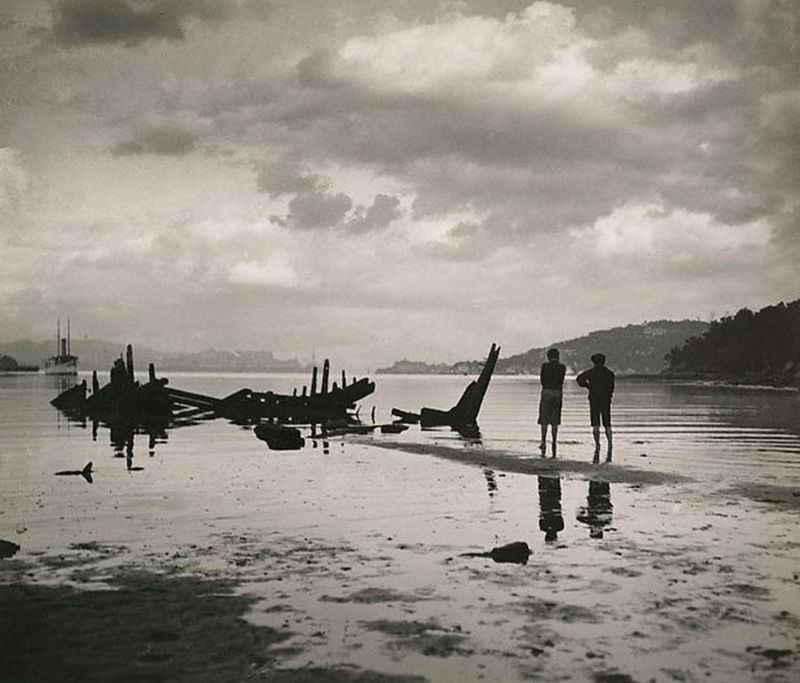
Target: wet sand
column 691, row 591
column 508, row 461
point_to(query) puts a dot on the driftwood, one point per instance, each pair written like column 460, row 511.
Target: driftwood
column 405, row 416
column 86, row 473
column 464, row 414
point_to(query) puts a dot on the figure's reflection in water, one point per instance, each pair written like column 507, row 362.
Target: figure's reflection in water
column 551, row 521
column 491, row 481
column 598, row 511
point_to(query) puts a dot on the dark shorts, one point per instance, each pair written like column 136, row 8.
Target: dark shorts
column 600, row 411
column 550, row 407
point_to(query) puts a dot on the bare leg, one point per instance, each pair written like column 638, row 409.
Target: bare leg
column 543, row 442
column 596, row 435
column 555, row 438
column 608, row 436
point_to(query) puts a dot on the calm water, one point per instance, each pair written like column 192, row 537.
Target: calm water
column 708, row 433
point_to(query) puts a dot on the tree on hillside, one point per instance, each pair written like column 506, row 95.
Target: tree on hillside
column 762, row 347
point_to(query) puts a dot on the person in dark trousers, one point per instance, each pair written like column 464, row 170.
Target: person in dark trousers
column 551, row 377
column 599, row 380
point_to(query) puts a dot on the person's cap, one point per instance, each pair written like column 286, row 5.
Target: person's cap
column 598, row 358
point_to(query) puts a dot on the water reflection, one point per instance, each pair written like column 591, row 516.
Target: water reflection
column 598, row 511
column 491, row 481
column 551, row 521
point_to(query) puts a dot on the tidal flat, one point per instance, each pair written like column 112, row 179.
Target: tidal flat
column 213, row 558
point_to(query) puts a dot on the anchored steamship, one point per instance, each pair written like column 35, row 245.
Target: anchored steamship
column 63, row 363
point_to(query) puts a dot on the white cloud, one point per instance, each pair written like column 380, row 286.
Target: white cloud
column 460, row 50
column 275, row 271
column 646, row 229
column 638, row 77
column 538, row 55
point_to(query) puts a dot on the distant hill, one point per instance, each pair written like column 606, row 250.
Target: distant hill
column 95, row 354
column 747, row 348
column 631, row 350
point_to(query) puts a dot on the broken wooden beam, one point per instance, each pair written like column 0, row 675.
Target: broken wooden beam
column 465, row 412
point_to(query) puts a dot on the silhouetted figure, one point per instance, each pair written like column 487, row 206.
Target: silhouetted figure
column 551, row 377
column 599, row 380
column 599, row 510
column 551, row 521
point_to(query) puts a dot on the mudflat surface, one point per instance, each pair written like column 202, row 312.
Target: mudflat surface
column 209, row 557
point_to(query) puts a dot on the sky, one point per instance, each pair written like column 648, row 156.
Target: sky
column 371, row 181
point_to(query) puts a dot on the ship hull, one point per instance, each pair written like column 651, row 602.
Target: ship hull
column 57, row 366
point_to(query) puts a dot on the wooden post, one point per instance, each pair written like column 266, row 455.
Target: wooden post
column 95, row 383
column 129, row 354
column 326, row 368
column 314, row 381
column 344, row 380
column 305, row 390
column 151, row 372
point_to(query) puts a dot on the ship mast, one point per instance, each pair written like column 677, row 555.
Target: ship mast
column 69, row 351
column 58, row 336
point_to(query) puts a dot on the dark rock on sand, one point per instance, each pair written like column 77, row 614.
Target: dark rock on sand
column 8, row 549
column 517, row 552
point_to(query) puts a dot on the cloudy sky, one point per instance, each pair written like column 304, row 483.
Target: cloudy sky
column 403, row 178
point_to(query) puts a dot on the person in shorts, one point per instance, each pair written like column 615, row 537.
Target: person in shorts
column 599, row 380
column 551, row 377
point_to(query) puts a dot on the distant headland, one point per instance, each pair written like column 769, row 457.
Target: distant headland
column 749, row 348
column 635, row 350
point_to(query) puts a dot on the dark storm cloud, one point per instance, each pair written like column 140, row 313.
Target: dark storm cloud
column 160, row 141
column 759, row 32
column 316, row 209
column 286, row 177
column 383, row 210
column 129, row 22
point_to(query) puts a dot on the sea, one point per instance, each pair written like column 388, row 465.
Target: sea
column 375, row 549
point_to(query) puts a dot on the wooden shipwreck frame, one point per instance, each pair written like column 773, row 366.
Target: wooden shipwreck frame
column 463, row 416
column 127, row 406
column 124, row 396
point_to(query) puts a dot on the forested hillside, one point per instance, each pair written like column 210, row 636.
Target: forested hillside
column 631, row 350
column 751, row 348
